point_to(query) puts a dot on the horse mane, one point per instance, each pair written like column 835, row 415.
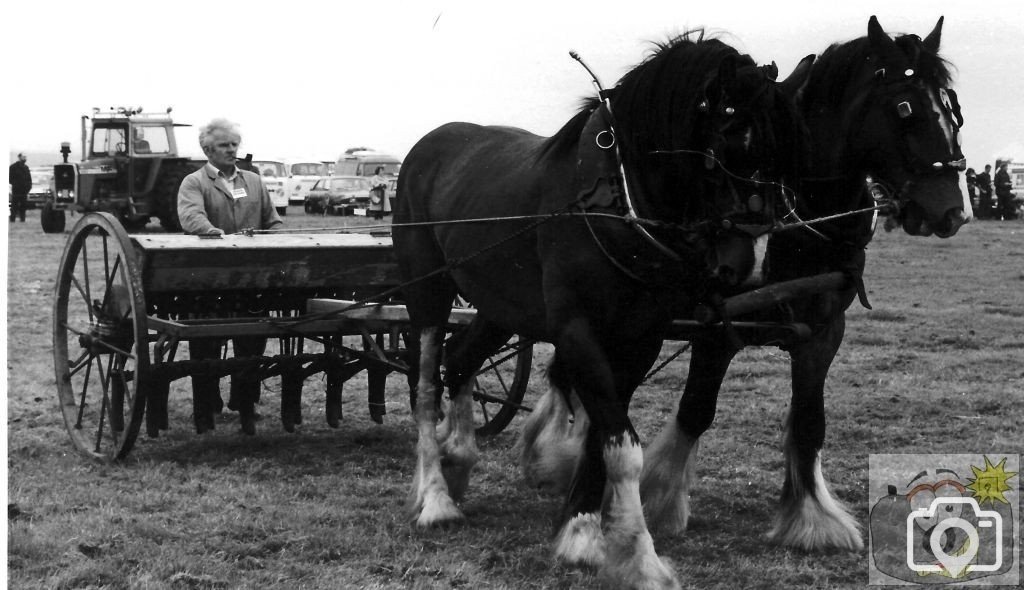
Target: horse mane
column 657, row 101
column 647, row 98
column 836, row 68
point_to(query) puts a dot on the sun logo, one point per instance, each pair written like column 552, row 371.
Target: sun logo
column 990, row 483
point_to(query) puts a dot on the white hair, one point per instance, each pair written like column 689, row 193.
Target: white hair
column 220, row 124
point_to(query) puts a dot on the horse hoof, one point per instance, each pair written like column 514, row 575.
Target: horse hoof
column 647, row 572
column 438, row 510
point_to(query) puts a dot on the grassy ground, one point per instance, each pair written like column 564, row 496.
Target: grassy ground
column 937, row 366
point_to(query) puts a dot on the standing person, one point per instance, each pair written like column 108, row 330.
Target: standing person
column 984, row 182
column 21, row 183
column 1003, row 194
column 220, row 198
column 378, row 193
column 972, row 188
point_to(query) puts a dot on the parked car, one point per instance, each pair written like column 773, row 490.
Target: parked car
column 42, row 181
column 338, row 195
column 275, row 175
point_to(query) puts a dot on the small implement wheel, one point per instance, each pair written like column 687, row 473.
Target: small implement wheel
column 500, row 386
column 100, row 345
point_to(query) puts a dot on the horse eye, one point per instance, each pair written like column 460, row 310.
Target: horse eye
column 904, row 110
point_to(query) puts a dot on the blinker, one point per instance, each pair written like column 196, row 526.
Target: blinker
column 755, row 204
column 908, row 72
column 904, row 110
column 730, row 110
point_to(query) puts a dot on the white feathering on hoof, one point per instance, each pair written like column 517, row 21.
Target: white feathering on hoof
column 631, row 561
column 580, row 541
column 813, row 521
column 438, row 509
column 552, row 442
column 643, row 570
column 670, row 467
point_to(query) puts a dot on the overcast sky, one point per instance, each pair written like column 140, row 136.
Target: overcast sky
column 309, row 79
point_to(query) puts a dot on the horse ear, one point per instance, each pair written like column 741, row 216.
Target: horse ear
column 795, row 83
column 931, row 42
column 881, row 42
column 772, row 71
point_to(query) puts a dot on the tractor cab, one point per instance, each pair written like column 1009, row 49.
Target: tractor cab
column 130, row 167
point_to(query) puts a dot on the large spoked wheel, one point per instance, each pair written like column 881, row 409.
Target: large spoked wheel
column 100, row 348
column 500, row 386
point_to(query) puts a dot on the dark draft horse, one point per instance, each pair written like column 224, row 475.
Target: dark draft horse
column 875, row 107
column 696, row 125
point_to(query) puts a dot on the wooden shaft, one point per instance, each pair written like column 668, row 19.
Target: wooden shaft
column 771, row 295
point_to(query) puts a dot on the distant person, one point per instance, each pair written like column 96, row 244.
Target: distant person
column 378, row 193
column 220, row 198
column 20, row 179
column 141, row 145
column 972, row 188
column 1007, row 208
column 984, row 184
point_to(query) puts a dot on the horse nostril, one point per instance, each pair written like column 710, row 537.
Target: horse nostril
column 952, row 222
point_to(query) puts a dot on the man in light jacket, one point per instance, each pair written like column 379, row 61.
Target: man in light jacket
column 220, row 199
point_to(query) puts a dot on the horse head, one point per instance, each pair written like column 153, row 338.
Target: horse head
column 709, row 137
column 756, row 146
column 908, row 135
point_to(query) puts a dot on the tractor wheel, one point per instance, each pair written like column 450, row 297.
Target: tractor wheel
column 167, row 197
column 51, row 219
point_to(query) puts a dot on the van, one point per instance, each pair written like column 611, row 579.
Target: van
column 302, row 175
column 275, row 178
column 365, row 162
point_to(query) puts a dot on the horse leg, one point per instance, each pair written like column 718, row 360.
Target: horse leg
column 809, row 517
column 605, row 385
column 671, row 460
column 553, row 436
column 464, row 354
column 429, row 500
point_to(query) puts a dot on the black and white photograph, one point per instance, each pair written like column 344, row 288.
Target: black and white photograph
column 642, row 295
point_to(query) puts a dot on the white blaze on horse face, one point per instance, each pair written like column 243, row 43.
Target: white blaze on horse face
column 756, row 277
column 945, row 118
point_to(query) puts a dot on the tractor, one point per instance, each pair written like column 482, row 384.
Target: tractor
column 130, row 167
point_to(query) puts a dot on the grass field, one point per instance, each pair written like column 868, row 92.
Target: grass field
column 937, row 366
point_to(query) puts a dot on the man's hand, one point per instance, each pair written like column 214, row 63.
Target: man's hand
column 215, row 231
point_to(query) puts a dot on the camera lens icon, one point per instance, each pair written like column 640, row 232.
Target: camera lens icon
column 990, row 521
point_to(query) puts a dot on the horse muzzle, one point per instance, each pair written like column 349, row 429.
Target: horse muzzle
column 935, row 205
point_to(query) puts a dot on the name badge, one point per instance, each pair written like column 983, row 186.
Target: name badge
column 238, row 193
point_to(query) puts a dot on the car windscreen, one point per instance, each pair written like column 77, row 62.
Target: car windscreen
column 307, row 169
column 349, row 184
column 270, row 169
